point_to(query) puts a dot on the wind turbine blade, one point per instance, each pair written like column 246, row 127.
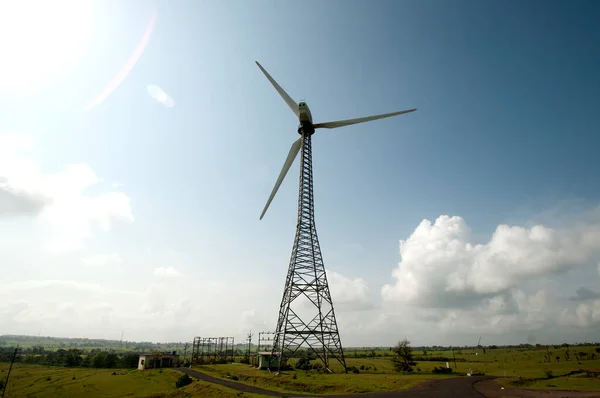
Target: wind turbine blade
column 291, row 103
column 347, row 122
column 286, row 166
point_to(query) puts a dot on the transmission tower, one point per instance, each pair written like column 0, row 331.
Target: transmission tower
column 306, row 315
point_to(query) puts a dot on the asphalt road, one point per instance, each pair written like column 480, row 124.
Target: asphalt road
column 459, row 387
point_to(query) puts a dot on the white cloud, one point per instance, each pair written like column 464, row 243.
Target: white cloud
column 159, row 95
column 16, row 202
column 442, row 267
column 253, row 320
column 59, row 200
column 146, row 311
column 446, row 283
column 101, row 259
column 167, row 272
column 588, row 314
column 77, row 308
column 349, row 293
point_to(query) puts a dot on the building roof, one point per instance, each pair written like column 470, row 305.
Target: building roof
column 160, row 354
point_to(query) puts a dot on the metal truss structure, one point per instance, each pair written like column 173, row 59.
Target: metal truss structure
column 211, row 350
column 306, row 314
column 265, row 341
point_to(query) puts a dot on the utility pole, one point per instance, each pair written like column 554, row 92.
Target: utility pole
column 258, row 349
column 471, row 365
column 249, row 343
column 453, row 356
column 9, row 369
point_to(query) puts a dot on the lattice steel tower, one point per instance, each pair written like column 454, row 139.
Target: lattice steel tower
column 306, row 315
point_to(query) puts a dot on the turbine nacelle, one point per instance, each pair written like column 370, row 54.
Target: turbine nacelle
column 304, row 115
column 302, row 112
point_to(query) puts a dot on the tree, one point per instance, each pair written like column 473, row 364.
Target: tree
column 72, row 357
column 129, row 360
column 111, row 360
column 403, row 359
column 99, row 360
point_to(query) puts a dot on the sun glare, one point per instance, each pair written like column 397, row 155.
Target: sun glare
column 39, row 40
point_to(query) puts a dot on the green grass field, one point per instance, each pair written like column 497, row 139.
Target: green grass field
column 315, row 383
column 523, row 368
column 43, row 381
column 527, row 364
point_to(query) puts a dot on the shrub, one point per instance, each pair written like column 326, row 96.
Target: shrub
column 303, row 363
column 441, row 370
column 183, row 381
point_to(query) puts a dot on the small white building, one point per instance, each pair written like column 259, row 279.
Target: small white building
column 263, row 360
column 157, row 360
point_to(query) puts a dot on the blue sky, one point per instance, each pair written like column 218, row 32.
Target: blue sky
column 506, row 131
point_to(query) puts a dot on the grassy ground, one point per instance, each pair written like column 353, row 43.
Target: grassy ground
column 525, row 368
column 378, row 373
column 577, row 382
column 380, row 377
column 43, row 381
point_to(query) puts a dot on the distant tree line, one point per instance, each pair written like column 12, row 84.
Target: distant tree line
column 72, row 357
column 64, row 342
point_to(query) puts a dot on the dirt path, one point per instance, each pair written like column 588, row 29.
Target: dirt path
column 491, row 389
column 459, row 387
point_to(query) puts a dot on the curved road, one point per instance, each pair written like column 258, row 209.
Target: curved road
column 438, row 388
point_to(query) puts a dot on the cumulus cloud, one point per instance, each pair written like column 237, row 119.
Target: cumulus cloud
column 254, row 320
column 159, row 95
column 165, row 310
column 59, row 200
column 86, row 309
column 349, row 293
column 588, row 314
column 14, row 202
column 102, row 259
column 583, row 293
column 441, row 267
column 169, row 272
column 510, row 285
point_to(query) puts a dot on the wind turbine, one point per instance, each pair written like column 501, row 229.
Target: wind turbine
column 302, row 111
column 306, row 279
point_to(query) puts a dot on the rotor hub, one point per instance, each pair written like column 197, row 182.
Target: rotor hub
column 305, row 128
